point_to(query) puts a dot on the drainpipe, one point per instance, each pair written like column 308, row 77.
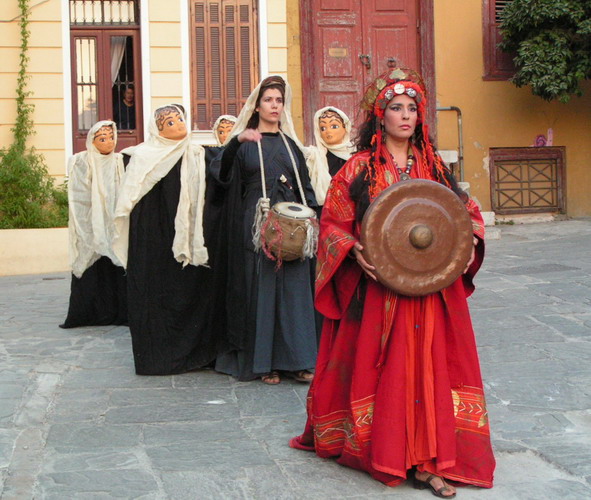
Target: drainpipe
column 460, row 140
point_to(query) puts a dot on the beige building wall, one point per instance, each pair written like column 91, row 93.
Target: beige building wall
column 166, row 75
column 45, row 83
column 498, row 114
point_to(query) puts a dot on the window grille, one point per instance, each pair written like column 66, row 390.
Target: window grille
column 104, row 12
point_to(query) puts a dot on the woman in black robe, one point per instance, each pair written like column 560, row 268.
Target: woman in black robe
column 269, row 307
column 159, row 220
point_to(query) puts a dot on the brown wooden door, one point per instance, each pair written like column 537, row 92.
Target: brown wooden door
column 347, row 43
column 104, row 63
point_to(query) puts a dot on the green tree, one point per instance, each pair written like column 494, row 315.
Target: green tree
column 552, row 43
column 28, row 197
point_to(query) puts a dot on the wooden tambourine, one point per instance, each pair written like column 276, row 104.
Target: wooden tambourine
column 418, row 235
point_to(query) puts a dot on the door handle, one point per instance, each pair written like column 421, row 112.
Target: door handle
column 365, row 60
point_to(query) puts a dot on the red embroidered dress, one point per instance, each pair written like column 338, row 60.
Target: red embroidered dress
column 398, row 385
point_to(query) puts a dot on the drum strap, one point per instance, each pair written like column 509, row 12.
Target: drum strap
column 293, row 163
column 264, row 204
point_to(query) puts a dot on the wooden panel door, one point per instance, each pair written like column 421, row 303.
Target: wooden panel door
column 347, row 43
column 98, row 82
column 337, row 41
column 390, row 35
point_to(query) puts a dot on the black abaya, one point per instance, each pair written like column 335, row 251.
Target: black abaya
column 169, row 306
column 98, row 297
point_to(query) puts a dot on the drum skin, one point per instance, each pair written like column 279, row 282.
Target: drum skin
column 418, row 235
column 284, row 231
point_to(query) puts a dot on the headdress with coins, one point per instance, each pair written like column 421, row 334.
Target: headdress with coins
column 382, row 90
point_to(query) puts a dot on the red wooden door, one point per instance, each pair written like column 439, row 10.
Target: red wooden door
column 347, row 43
column 390, row 35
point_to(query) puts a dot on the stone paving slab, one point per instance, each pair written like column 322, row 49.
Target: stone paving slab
column 77, row 423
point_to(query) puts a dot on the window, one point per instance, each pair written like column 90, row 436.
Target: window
column 105, row 68
column 224, row 59
column 498, row 65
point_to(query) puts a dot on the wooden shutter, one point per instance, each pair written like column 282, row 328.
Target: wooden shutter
column 498, row 65
column 224, row 55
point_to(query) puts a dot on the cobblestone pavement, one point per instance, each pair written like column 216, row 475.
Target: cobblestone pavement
column 76, row 422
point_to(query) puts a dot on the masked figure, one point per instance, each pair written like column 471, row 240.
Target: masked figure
column 159, row 238
column 98, row 289
column 332, row 134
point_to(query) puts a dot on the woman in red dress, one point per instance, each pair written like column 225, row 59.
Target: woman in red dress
column 397, row 390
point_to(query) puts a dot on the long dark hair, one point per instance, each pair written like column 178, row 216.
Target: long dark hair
column 359, row 189
column 271, row 82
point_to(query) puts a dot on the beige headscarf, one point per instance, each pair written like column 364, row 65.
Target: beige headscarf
column 229, row 118
column 93, row 182
column 246, row 112
column 316, row 155
column 150, row 162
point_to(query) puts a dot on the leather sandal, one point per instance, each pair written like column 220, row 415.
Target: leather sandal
column 421, row 485
column 271, row 378
column 301, row 376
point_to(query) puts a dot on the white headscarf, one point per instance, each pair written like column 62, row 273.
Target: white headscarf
column 150, row 162
column 249, row 108
column 229, row 118
column 93, row 182
column 316, row 155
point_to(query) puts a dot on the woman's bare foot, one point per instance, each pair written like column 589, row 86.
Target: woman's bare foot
column 437, row 484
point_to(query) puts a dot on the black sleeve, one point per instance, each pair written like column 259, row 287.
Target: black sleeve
column 305, row 178
column 227, row 158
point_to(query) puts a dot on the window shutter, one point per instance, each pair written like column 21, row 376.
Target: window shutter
column 498, row 65
column 224, row 57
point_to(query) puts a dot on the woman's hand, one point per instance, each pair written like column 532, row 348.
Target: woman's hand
column 249, row 135
column 472, row 256
column 367, row 268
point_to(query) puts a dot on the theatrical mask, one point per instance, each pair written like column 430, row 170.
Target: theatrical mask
column 332, row 128
column 223, row 130
column 104, row 140
column 171, row 125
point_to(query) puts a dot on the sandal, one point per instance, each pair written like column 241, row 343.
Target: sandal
column 271, row 378
column 301, row 376
column 421, row 485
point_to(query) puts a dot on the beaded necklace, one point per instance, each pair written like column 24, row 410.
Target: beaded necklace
column 410, row 160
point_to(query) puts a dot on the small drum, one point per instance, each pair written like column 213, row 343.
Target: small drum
column 290, row 231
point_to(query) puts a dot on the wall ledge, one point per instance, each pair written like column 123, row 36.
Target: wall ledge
column 33, row 251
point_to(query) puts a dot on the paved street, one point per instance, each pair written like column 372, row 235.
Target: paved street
column 76, row 422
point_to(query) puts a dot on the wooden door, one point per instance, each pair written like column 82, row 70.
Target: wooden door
column 390, row 35
column 347, row 43
column 98, row 83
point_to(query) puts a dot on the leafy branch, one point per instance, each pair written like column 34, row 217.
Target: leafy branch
column 28, row 196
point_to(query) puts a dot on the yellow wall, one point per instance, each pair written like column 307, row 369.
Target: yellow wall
column 497, row 114
column 165, row 53
column 45, row 83
column 294, row 64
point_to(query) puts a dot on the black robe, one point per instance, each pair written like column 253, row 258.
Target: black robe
column 334, row 163
column 98, row 297
column 169, row 306
column 269, row 311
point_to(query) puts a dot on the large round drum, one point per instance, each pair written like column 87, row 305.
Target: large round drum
column 418, row 235
column 288, row 228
